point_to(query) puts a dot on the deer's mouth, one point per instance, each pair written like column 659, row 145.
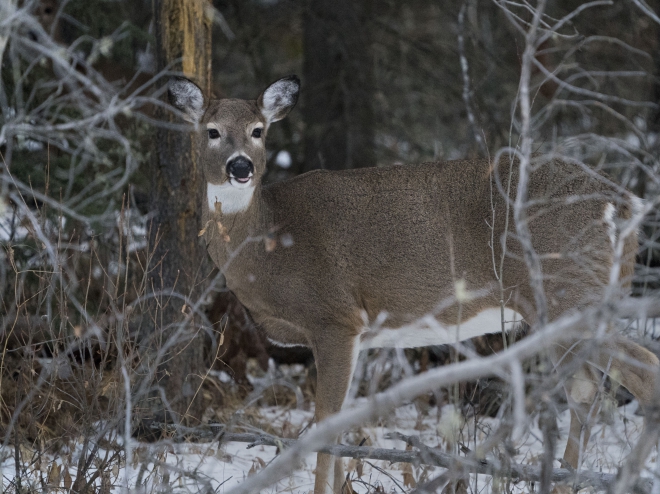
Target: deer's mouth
column 241, row 182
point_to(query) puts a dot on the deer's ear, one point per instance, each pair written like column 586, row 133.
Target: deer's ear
column 279, row 98
column 186, row 96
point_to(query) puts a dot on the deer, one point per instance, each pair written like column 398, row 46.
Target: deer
column 317, row 259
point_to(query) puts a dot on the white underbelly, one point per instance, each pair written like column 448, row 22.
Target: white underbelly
column 431, row 332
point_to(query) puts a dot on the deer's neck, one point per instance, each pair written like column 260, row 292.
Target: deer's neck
column 239, row 220
column 228, row 200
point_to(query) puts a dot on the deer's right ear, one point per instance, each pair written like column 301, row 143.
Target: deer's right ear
column 186, row 96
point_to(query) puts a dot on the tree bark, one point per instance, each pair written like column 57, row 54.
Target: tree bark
column 338, row 82
column 183, row 42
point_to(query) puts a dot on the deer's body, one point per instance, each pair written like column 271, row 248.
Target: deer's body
column 385, row 254
column 343, row 261
column 353, row 245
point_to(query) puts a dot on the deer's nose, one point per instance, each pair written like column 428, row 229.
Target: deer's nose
column 240, row 167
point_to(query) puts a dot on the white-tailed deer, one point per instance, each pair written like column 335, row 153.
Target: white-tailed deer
column 338, row 249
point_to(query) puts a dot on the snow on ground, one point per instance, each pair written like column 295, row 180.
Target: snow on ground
column 198, row 467
column 608, row 447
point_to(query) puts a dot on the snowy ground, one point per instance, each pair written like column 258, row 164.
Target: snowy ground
column 605, row 451
column 207, row 468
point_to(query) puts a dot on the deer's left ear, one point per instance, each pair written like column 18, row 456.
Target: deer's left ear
column 186, row 96
column 279, row 98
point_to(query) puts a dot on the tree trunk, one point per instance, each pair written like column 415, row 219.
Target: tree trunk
column 338, row 82
column 183, row 38
column 654, row 114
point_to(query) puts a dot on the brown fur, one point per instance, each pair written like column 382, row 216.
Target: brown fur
column 397, row 239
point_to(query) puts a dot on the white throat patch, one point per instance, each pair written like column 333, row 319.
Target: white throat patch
column 232, row 198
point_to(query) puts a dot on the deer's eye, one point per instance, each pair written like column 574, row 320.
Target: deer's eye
column 257, row 132
column 213, row 134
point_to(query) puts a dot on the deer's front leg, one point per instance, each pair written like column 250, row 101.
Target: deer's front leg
column 335, row 353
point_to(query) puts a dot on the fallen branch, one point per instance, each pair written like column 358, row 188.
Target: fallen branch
column 424, row 455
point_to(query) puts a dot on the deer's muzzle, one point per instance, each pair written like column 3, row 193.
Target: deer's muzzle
column 240, row 169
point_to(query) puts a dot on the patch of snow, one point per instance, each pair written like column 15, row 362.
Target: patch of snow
column 632, row 140
column 11, row 224
column 283, row 159
column 222, row 376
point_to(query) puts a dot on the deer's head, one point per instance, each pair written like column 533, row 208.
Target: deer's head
column 232, row 136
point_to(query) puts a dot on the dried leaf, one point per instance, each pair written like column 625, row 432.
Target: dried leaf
column 110, row 385
column 270, row 244
column 223, row 232
column 142, row 453
column 68, row 481
column 203, row 230
column 54, row 475
column 355, row 465
column 359, row 468
column 289, row 430
column 456, row 487
column 408, row 477
column 25, row 451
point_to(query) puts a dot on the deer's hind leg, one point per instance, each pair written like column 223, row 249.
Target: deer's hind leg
column 626, row 362
column 581, row 389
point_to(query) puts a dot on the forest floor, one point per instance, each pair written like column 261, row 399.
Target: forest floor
column 205, row 467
